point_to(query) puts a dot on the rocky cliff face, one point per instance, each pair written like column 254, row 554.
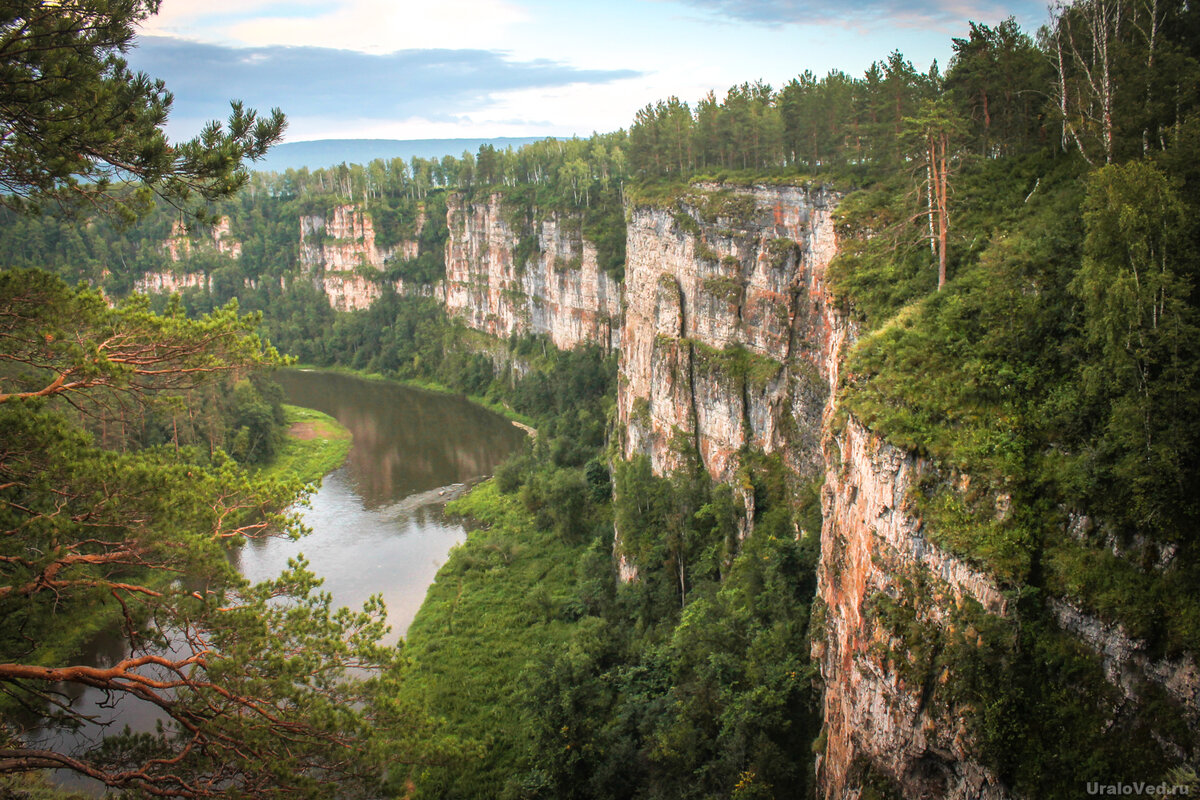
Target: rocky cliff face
column 341, row 253
column 876, row 707
column 544, row 278
column 730, row 342
column 222, row 236
column 180, row 244
column 341, row 243
column 169, row 282
column 727, row 330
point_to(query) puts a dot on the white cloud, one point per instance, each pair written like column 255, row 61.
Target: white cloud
column 370, row 26
column 580, row 109
column 577, row 109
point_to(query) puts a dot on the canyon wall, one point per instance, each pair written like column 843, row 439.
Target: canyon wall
column 180, row 244
column 727, row 331
column 505, row 276
column 877, row 708
column 170, row 282
column 341, row 254
column 729, row 342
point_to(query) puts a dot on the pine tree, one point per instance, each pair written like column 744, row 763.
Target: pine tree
column 81, row 128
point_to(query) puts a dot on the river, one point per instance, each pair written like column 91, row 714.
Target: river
column 377, row 523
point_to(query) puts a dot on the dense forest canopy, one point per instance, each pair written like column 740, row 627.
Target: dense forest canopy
column 1019, row 249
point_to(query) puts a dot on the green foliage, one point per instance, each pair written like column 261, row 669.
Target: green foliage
column 661, row 193
column 502, row 598
column 1140, row 352
column 883, row 261
column 315, row 445
column 99, row 529
column 1125, row 76
column 1157, row 607
column 735, row 363
column 731, row 290
column 429, row 266
column 1049, row 386
column 670, row 707
column 735, row 209
column 782, row 252
column 996, row 78
column 81, row 125
column 178, row 371
column 1046, row 718
column 745, row 130
column 35, row 787
column 1055, row 373
column 604, row 226
column 1043, row 716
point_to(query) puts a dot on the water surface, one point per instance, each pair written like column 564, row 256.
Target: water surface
column 377, row 522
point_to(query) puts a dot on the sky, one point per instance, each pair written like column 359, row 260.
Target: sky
column 396, row 69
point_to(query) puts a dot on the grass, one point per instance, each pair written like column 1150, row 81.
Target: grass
column 500, row 600
column 316, row 444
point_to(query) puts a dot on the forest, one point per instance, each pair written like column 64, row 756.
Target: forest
column 1019, row 249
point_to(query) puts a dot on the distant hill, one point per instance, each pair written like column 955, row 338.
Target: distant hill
column 329, row 152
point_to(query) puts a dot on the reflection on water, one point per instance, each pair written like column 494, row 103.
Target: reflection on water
column 377, row 523
column 405, row 440
column 361, row 551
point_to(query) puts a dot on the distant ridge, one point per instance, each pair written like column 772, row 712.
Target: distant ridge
column 330, row 152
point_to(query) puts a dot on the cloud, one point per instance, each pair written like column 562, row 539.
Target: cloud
column 323, row 83
column 868, row 13
column 375, row 26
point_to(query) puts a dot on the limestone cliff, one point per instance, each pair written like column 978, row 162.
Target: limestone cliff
column 170, row 282
column 727, row 330
column 341, row 243
column 180, row 244
column 876, row 704
column 541, row 276
column 222, row 236
column 731, row 342
column 728, row 341
column 341, row 252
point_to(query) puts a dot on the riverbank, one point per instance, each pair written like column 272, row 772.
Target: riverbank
column 503, row 603
column 522, row 421
column 316, row 444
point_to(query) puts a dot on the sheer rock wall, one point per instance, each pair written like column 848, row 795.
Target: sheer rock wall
column 545, row 279
column 727, row 327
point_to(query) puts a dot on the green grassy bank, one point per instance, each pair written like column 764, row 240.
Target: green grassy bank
column 501, row 601
column 315, row 445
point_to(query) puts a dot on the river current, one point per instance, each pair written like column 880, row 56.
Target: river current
column 377, row 523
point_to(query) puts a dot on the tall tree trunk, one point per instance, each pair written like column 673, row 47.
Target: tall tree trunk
column 929, row 202
column 937, row 171
column 943, row 206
